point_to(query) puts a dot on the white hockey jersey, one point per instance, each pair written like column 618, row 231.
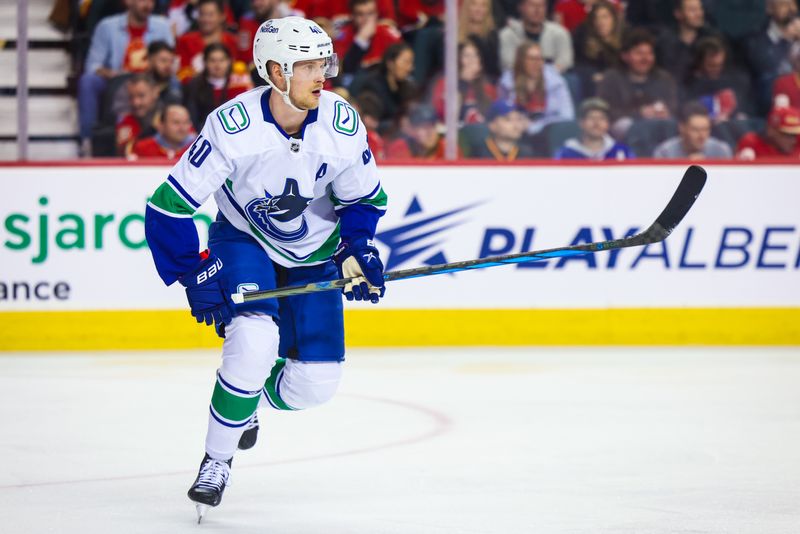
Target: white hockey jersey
column 281, row 190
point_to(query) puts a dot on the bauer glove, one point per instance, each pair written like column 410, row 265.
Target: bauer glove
column 359, row 259
column 206, row 291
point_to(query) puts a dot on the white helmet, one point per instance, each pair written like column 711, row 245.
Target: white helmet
column 289, row 40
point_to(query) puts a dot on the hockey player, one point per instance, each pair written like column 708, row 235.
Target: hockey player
column 299, row 200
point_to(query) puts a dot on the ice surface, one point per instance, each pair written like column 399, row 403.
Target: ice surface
column 417, row 441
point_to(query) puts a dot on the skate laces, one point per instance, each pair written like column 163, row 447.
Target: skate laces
column 214, row 474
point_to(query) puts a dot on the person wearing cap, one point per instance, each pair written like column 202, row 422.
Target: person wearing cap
column 694, row 139
column 780, row 138
column 506, row 123
column 594, row 142
column 421, row 138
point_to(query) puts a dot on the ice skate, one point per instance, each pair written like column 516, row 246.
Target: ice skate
column 210, row 484
column 250, row 434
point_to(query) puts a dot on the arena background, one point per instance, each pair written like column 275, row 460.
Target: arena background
column 76, row 264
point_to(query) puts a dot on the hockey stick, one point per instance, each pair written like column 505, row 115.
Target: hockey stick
column 679, row 205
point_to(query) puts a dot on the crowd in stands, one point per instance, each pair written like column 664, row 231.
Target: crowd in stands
column 562, row 79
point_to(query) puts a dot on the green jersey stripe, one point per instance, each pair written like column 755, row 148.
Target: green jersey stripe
column 168, row 200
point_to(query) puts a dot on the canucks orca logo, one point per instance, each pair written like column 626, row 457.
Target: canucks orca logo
column 274, row 215
column 419, row 236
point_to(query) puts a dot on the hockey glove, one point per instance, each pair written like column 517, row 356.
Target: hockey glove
column 359, row 259
column 206, row 292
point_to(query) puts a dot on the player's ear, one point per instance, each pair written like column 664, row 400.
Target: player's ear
column 275, row 72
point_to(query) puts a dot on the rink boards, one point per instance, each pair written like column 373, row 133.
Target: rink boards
column 77, row 273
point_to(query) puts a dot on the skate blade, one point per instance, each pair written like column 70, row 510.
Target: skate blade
column 201, row 511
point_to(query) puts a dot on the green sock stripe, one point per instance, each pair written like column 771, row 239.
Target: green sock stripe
column 270, row 387
column 232, row 407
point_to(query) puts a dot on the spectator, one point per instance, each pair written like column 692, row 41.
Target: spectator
column 362, row 41
column 476, row 21
column 572, row 13
column 338, row 11
column 142, row 121
column 597, row 45
column 674, row 46
column 118, row 45
column 475, row 92
column 789, row 84
column 370, row 110
column 422, row 139
column 537, row 88
column 768, row 50
column 422, row 25
column 215, row 85
column 555, row 41
column 161, row 67
column 724, row 90
column 506, row 128
column 638, row 90
column 414, row 14
column 392, row 84
column 210, row 29
column 694, row 139
column 173, row 138
column 183, row 15
column 779, row 140
column 594, row 142
column 260, row 12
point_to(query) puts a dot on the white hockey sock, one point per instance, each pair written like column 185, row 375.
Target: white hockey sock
column 248, row 354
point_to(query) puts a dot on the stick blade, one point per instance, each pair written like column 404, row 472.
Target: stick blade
column 694, row 179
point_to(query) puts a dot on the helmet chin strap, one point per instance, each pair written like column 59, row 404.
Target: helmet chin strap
column 285, row 94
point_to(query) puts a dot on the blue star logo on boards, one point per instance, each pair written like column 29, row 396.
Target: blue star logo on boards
column 421, row 237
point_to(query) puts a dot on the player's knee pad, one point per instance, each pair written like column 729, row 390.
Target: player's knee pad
column 249, row 350
column 308, row 384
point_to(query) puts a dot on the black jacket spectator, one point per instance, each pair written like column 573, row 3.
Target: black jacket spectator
column 675, row 44
column 724, row 90
column 768, row 50
column 392, row 84
column 476, row 21
column 597, row 45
